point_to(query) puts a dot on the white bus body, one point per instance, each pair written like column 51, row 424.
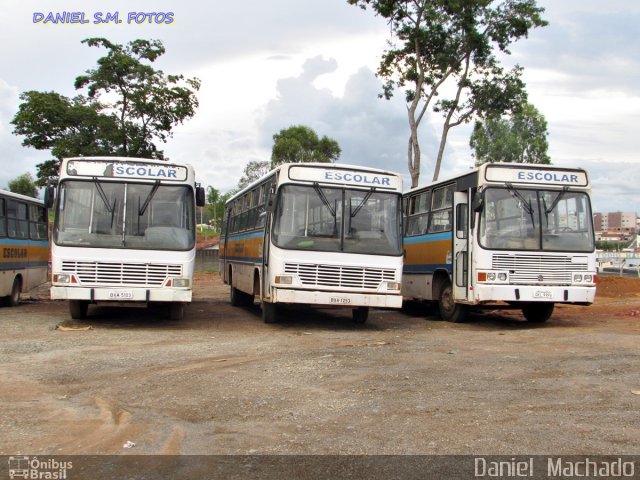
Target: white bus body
column 515, row 233
column 124, row 231
column 315, row 234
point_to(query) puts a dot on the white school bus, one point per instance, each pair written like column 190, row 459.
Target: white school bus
column 124, row 231
column 315, row 234
column 513, row 235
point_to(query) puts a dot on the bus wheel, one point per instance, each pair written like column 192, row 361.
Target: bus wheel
column 269, row 312
column 78, row 309
column 449, row 309
column 176, row 311
column 14, row 297
column 537, row 312
column 238, row 298
column 360, row 314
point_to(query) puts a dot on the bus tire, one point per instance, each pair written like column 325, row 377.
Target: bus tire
column 449, row 309
column 78, row 309
column 176, row 311
column 537, row 312
column 237, row 297
column 269, row 312
column 14, row 297
column 360, row 314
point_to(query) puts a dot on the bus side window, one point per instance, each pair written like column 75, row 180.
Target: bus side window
column 3, row 218
column 462, row 220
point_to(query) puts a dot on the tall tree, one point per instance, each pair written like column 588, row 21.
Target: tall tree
column 449, row 45
column 519, row 138
column 127, row 107
column 252, row 172
column 300, row 143
column 24, row 185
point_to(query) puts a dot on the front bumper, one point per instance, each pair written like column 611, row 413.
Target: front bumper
column 531, row 293
column 338, row 299
column 121, row 294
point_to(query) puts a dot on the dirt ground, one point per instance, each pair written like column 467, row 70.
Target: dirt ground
column 223, row 382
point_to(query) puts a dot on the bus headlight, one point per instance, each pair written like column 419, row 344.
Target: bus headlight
column 61, row 278
column 502, row 277
column 284, row 279
column 393, row 286
column 577, row 278
column 491, row 277
column 179, row 283
column 588, row 278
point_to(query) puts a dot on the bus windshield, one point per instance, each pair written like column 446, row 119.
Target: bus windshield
column 125, row 215
column 547, row 220
column 337, row 220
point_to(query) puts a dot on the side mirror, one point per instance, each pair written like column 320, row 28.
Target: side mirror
column 200, row 196
column 49, row 196
column 478, row 202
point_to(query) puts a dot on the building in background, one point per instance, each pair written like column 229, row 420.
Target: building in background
column 619, row 228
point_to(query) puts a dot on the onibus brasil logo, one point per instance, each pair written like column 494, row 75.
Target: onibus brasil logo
column 35, row 468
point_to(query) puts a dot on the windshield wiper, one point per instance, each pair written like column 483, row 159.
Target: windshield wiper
column 103, row 196
column 355, row 211
column 110, row 208
column 147, row 201
column 526, row 205
column 547, row 211
column 322, row 196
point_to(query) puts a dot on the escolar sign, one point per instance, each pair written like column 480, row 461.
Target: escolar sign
column 133, row 170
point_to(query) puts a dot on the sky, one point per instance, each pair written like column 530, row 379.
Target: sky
column 266, row 66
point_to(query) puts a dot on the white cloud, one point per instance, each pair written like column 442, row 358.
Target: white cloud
column 268, row 65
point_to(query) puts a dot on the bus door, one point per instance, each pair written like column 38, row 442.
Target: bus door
column 460, row 245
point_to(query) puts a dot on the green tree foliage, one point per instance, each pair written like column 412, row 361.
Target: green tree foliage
column 24, row 185
column 519, row 138
column 253, row 171
column 128, row 105
column 295, row 144
column 301, row 144
column 447, row 46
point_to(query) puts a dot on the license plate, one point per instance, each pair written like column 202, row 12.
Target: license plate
column 542, row 294
column 121, row 295
column 340, row 300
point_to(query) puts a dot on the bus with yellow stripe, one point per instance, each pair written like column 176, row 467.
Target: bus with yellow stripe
column 24, row 245
column 315, row 234
column 504, row 235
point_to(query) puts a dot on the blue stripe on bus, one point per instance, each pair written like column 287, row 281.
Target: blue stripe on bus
column 21, row 265
column 23, row 242
column 427, row 268
column 251, row 260
column 429, row 237
column 245, row 236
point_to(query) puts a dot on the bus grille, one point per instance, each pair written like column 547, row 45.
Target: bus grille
column 539, row 269
column 103, row 273
column 340, row 275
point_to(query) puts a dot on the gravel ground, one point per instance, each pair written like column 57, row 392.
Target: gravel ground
column 223, row 382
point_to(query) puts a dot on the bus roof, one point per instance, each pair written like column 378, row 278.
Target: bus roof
column 518, row 174
column 19, row 196
column 331, row 174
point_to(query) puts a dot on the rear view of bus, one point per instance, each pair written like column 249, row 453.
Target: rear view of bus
column 124, row 231
column 315, row 234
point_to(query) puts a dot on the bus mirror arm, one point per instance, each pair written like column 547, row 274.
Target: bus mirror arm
column 477, row 203
column 271, row 205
